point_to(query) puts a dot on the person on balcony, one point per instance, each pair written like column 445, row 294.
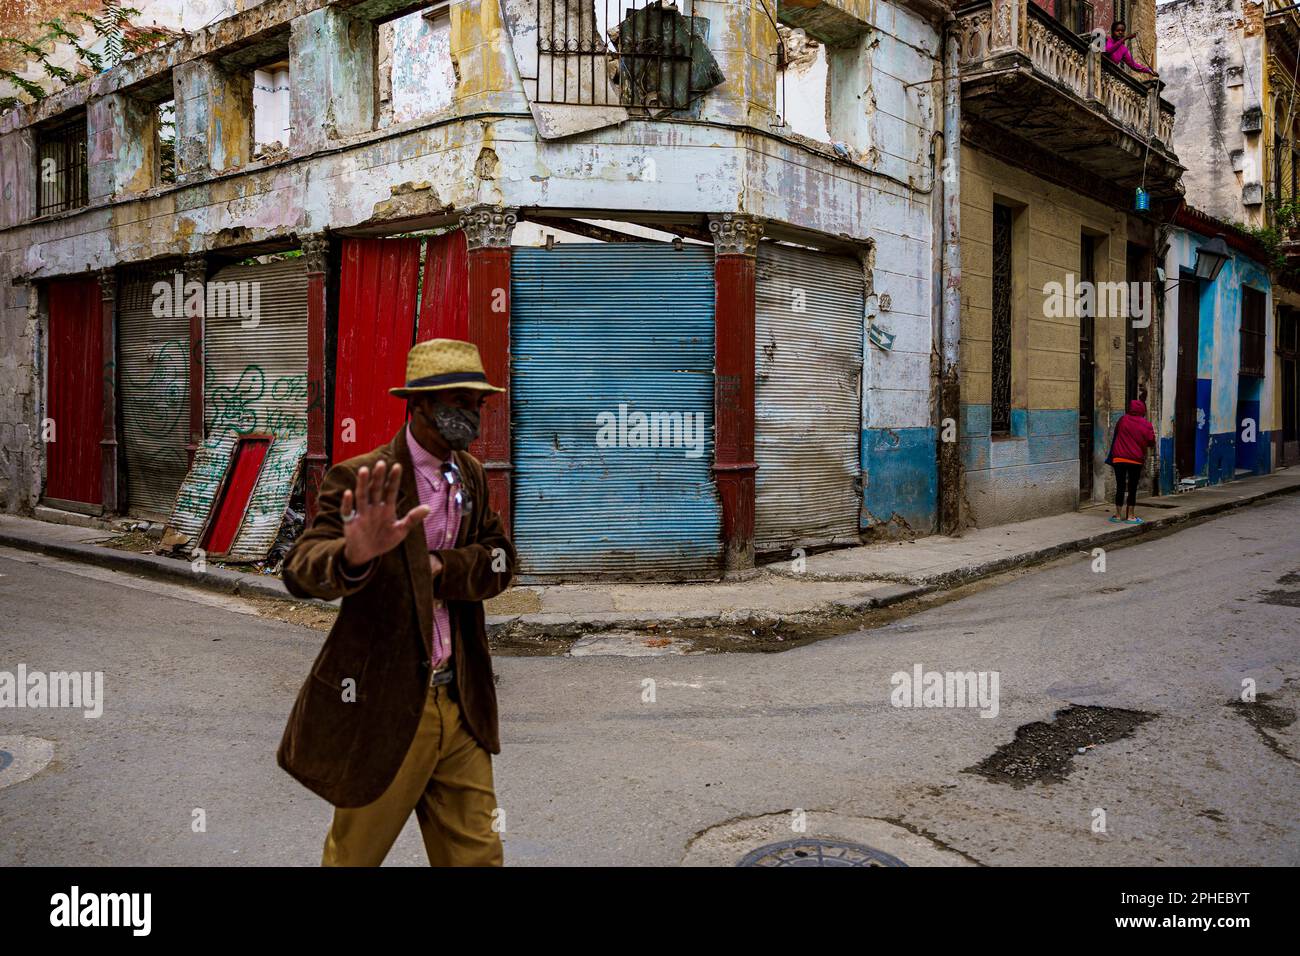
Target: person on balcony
column 1117, row 50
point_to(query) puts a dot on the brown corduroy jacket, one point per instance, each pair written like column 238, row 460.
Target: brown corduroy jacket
column 349, row 751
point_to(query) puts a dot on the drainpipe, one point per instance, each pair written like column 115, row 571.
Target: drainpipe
column 950, row 274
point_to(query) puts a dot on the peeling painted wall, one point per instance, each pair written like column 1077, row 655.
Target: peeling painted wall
column 1211, row 60
column 416, row 74
column 345, row 170
column 1222, row 395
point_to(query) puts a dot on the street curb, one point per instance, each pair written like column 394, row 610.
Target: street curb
column 157, row 567
column 549, row 624
column 972, row 573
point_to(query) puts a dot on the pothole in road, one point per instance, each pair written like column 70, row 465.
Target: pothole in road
column 1044, row 752
column 23, row 757
column 1267, row 717
column 826, row 839
column 1281, row 597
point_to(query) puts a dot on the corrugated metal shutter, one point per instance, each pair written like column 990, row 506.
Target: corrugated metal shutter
column 255, row 381
column 154, row 382
column 807, row 396
column 593, row 328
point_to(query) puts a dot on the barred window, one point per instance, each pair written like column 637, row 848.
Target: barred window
column 61, row 171
column 1252, row 332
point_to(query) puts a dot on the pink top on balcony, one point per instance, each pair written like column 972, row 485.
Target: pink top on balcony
column 1117, row 51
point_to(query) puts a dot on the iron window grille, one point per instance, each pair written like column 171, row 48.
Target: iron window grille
column 1001, row 401
column 61, row 169
column 626, row 53
column 1252, row 332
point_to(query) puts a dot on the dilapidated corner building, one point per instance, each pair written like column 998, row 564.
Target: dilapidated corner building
column 632, row 208
column 1055, row 142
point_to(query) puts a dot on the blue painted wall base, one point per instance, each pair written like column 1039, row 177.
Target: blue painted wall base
column 901, row 477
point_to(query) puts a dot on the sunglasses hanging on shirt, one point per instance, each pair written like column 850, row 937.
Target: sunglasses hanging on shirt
column 451, row 474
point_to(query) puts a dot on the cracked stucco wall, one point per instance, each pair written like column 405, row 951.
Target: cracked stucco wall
column 484, row 148
column 1211, row 55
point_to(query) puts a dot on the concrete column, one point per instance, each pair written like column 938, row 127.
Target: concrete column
column 332, row 66
column 214, row 118
column 195, row 269
column 315, row 248
column 123, row 146
column 487, row 236
column 109, row 476
column 735, row 243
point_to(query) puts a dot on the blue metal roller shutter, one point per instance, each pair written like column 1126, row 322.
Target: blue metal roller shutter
column 593, row 327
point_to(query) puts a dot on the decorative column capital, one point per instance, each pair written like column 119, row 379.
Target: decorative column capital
column 195, row 267
column 735, row 234
column 315, row 249
column 488, row 227
column 107, row 283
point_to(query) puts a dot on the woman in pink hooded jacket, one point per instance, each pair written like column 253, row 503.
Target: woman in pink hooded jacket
column 1128, row 450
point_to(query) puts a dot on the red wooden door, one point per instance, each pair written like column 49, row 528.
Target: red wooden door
column 75, row 400
column 444, row 303
column 377, row 295
column 228, row 512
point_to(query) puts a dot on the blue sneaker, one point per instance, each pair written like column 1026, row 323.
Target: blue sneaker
column 1136, row 520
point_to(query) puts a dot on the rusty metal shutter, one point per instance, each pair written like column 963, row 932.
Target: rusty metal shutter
column 807, row 397
column 615, row 330
column 153, row 354
column 255, row 379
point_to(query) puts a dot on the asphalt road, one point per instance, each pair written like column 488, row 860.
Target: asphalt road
column 197, row 689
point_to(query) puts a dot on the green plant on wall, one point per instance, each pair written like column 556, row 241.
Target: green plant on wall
column 113, row 32
column 1285, row 213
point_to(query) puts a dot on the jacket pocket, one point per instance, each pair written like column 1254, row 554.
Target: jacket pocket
column 341, row 662
column 323, row 733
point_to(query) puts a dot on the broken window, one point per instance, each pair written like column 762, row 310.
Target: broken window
column 802, row 84
column 62, row 182
column 413, row 69
column 650, row 55
column 271, row 109
column 165, row 137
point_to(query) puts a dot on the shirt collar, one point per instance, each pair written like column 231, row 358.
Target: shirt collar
column 425, row 462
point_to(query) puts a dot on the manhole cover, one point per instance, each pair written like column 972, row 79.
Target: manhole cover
column 816, row 852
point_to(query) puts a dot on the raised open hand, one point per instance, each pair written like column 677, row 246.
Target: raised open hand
column 370, row 523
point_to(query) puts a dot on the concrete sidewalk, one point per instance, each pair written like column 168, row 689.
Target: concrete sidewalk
column 835, row 583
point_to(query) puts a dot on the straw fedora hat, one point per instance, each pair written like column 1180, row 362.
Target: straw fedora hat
column 443, row 363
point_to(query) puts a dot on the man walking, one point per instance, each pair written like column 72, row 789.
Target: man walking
column 399, row 712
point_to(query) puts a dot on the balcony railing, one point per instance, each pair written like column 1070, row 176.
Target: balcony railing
column 993, row 31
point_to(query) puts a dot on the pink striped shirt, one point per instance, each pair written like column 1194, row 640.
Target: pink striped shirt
column 440, row 530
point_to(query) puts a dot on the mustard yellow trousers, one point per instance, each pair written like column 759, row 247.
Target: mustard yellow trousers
column 446, row 778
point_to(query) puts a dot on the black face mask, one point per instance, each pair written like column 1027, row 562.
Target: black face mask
column 457, row 426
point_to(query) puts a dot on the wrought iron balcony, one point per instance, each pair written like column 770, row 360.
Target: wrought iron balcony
column 1026, row 75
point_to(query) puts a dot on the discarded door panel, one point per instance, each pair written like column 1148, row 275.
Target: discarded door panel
column 237, row 491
